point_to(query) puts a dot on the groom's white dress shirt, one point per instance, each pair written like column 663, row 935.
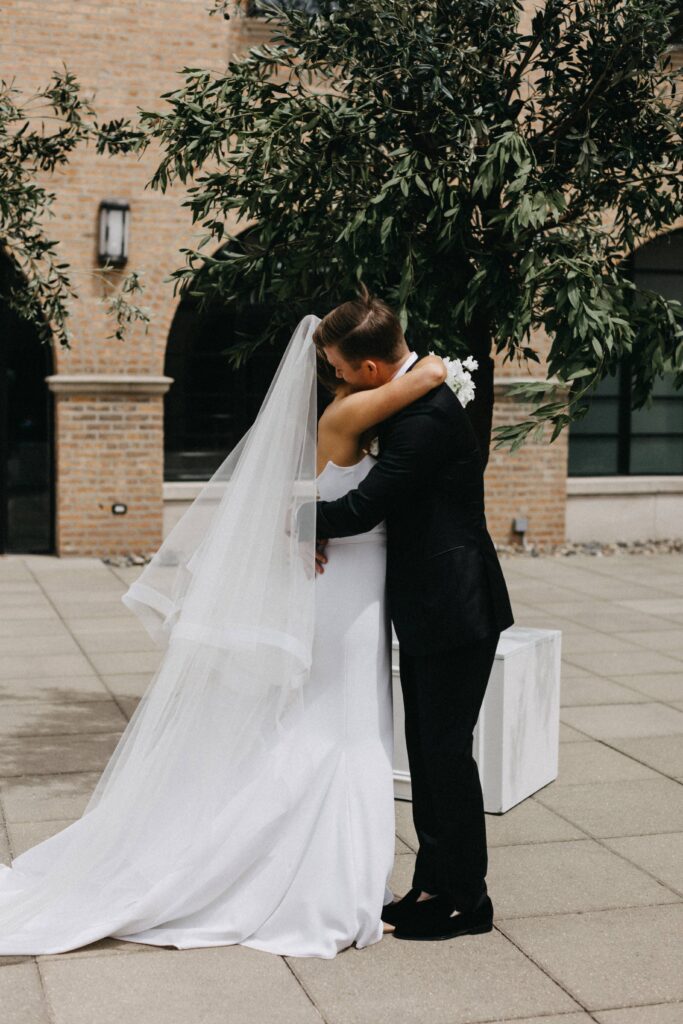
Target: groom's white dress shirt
column 406, row 364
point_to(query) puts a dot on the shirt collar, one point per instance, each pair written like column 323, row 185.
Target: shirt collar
column 406, row 364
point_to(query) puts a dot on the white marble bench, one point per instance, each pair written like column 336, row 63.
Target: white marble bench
column 516, row 739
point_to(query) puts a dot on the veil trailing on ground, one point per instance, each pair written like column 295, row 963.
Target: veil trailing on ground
column 230, row 596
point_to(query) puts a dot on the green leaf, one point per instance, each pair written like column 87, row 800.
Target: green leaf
column 421, row 185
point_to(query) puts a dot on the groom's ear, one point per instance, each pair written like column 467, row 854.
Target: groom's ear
column 373, row 372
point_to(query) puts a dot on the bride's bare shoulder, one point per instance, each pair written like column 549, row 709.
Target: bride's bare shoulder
column 349, row 412
column 334, row 412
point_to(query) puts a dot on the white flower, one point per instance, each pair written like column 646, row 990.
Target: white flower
column 373, row 448
column 459, row 377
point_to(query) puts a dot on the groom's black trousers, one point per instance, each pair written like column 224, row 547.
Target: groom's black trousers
column 442, row 695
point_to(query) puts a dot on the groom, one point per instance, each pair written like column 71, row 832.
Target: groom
column 448, row 602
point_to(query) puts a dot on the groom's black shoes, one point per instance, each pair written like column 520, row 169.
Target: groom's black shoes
column 392, row 913
column 431, row 919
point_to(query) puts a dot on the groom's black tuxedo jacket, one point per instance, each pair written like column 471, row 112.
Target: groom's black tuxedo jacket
column 445, row 586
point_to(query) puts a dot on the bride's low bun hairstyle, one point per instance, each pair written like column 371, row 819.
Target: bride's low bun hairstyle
column 327, row 375
column 363, row 328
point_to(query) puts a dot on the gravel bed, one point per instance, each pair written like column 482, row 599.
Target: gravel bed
column 565, row 550
column 123, row 561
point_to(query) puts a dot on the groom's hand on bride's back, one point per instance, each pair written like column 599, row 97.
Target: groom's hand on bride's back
column 320, row 556
column 305, row 522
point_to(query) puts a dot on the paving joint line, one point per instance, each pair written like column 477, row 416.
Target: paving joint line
column 595, row 564
column 590, row 910
column 49, row 775
column 536, row 1016
column 634, row 689
column 547, row 973
column 568, row 659
column 51, row 1014
column 107, row 954
column 77, row 642
column 3, row 827
column 631, row 757
column 587, row 837
column 537, row 607
column 600, row 840
column 95, row 699
column 59, row 735
column 303, row 988
column 621, row 703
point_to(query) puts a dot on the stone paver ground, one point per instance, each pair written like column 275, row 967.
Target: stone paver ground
column 586, row 876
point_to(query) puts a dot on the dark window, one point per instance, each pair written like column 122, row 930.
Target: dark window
column 26, row 441
column 612, row 439
column 210, row 405
column 677, row 34
column 255, row 8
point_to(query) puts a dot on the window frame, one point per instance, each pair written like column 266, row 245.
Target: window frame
column 624, row 430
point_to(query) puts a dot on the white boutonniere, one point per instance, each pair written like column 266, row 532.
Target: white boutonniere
column 459, row 377
column 459, row 380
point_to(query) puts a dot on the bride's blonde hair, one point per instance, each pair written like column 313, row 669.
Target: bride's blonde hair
column 362, row 328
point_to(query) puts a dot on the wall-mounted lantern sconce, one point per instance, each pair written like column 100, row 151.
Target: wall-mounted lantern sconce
column 114, row 221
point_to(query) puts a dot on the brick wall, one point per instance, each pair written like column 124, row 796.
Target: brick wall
column 125, row 55
column 110, row 451
column 530, row 482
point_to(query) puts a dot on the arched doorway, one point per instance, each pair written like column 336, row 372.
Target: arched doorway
column 211, row 403
column 26, row 436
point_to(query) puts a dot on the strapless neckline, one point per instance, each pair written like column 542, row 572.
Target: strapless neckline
column 335, row 481
column 343, row 468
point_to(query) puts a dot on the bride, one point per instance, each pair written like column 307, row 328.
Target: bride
column 250, row 798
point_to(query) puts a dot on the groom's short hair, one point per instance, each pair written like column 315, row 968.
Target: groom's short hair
column 363, row 328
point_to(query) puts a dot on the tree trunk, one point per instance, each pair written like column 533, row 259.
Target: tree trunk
column 480, row 410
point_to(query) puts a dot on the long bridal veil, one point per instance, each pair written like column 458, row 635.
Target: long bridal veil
column 230, row 596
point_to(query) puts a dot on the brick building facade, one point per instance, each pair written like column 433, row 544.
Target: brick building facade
column 103, row 441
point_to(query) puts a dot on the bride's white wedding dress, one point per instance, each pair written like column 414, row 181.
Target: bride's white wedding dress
column 298, row 860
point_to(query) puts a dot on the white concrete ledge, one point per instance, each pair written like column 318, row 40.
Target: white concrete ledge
column 182, row 490
column 579, row 485
column 597, row 485
column 610, row 509
column 108, row 384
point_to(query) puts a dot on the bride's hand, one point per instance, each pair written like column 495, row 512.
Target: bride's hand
column 433, row 365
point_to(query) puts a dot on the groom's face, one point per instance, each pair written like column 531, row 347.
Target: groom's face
column 361, row 374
